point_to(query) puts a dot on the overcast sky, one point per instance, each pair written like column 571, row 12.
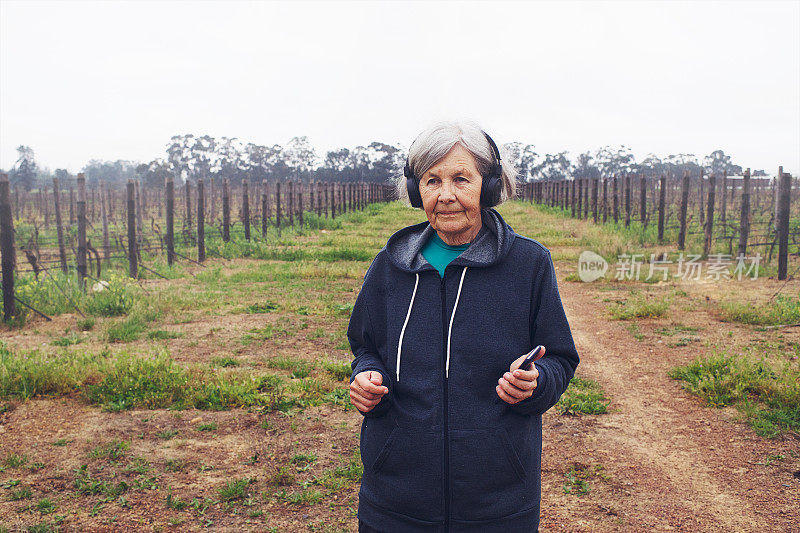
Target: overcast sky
column 115, row 80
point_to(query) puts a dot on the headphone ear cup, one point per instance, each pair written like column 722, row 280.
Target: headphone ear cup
column 492, row 187
column 412, row 187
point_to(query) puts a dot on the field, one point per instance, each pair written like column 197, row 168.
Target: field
column 217, row 398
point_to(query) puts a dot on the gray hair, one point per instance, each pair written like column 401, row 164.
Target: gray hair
column 435, row 142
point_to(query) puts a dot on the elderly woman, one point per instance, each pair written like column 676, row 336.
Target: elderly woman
column 452, row 433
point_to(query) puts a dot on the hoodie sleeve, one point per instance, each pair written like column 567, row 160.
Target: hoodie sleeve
column 549, row 327
column 360, row 335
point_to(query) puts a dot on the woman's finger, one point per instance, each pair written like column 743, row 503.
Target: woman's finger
column 525, row 381
column 513, row 391
column 504, row 395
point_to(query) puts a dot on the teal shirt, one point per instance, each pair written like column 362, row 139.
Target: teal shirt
column 439, row 254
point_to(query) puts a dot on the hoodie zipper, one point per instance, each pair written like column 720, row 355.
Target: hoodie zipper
column 446, row 410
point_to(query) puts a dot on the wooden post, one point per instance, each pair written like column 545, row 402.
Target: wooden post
column 246, row 209
column 300, row 187
column 627, row 200
column 188, row 194
column 709, row 226
column 326, row 186
column 333, row 200
column 290, row 203
column 82, row 271
column 605, row 199
column 213, row 194
column 104, row 216
column 702, row 197
column 616, row 200
column 724, row 194
column 643, row 200
column 226, row 210
column 139, row 222
column 133, row 261
column 572, row 202
column 594, row 199
column 264, row 218
column 662, row 199
column 784, row 201
column 684, row 208
column 46, row 206
column 62, row 251
column 278, row 206
column 201, row 221
column 7, row 249
column 169, row 193
column 319, row 199
column 744, row 217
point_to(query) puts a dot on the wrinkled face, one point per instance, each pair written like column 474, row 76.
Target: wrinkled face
column 451, row 194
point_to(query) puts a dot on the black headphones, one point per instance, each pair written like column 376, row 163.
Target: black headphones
column 491, row 185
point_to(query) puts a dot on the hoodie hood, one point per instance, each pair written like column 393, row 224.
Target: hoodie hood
column 490, row 246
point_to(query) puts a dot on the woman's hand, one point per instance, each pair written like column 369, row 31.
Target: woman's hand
column 517, row 385
column 366, row 390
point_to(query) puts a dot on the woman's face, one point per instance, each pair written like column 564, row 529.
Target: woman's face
column 451, row 194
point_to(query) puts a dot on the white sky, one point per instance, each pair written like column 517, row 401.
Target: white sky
column 115, row 80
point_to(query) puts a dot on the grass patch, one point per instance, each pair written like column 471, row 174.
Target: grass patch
column 782, row 310
column 211, row 426
column 224, row 362
column 766, row 393
column 235, row 489
column 583, row 396
column 114, row 450
column 578, row 476
column 640, row 305
column 161, row 334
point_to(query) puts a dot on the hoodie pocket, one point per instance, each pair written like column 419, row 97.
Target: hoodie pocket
column 488, row 477
column 404, row 474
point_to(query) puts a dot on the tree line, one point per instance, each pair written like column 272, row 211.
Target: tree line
column 189, row 157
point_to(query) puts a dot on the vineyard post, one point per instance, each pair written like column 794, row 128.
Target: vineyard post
column 684, row 208
column 264, row 209
column 7, row 249
column 627, row 200
column 586, row 198
column 333, row 200
column 188, row 194
column 775, row 195
column 300, row 187
column 594, row 198
column 278, row 207
column 139, row 224
column 104, row 217
column 643, row 200
column 82, row 230
column 572, row 197
column 91, row 215
column 169, row 193
column 724, row 195
column 580, row 197
column 16, row 203
column 702, row 196
column 709, row 226
column 605, row 199
column 133, row 267
column 290, row 202
column 62, row 251
column 246, row 209
column 784, row 199
column 616, row 200
column 326, row 186
column 201, row 221
column 226, row 210
column 744, row 217
column 662, row 200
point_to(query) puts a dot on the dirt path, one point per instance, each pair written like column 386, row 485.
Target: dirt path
column 668, row 463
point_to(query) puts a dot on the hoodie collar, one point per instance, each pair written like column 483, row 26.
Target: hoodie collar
column 490, row 246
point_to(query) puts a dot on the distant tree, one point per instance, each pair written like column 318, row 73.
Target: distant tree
column 25, row 171
column 554, row 167
column 114, row 173
column 611, row 161
column 154, row 173
column 524, row 158
column 300, row 157
column 717, row 162
column 585, row 166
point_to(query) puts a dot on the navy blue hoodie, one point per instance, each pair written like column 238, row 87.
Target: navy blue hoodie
column 442, row 452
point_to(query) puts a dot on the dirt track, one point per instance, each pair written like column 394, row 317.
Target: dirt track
column 668, row 463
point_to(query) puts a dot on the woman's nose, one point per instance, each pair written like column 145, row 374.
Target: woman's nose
column 447, row 193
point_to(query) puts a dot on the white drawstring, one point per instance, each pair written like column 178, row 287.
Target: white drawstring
column 403, row 331
column 450, row 330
